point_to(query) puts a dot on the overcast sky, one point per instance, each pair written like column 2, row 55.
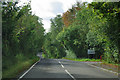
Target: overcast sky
column 47, row 9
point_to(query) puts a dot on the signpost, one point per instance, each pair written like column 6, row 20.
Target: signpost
column 91, row 52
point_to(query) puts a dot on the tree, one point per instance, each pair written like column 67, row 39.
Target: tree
column 52, row 47
column 22, row 32
column 108, row 13
column 69, row 16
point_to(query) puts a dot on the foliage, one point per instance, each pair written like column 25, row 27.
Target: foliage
column 93, row 25
column 84, row 59
column 69, row 16
column 108, row 13
column 22, row 32
column 85, row 26
column 70, row 54
column 18, row 67
column 73, row 37
column 53, row 49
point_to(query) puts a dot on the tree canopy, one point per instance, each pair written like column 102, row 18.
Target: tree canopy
column 89, row 26
column 22, row 34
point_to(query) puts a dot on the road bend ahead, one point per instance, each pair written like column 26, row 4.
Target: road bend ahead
column 67, row 70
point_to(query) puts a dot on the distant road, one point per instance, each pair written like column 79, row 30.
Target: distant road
column 66, row 70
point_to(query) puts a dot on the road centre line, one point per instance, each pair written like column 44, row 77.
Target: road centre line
column 67, row 71
column 28, row 70
column 70, row 74
column 61, row 64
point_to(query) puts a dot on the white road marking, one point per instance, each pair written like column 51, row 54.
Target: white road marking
column 59, row 62
column 62, row 66
column 103, row 69
column 67, row 71
column 70, row 74
column 28, row 70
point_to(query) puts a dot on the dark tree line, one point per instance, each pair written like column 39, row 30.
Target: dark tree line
column 22, row 34
column 87, row 26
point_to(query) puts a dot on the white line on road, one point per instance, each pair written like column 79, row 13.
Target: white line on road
column 28, row 70
column 103, row 69
column 61, row 64
column 70, row 74
column 67, row 71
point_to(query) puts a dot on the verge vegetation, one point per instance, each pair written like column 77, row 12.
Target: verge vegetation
column 22, row 38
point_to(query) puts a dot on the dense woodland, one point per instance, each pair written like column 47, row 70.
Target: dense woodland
column 22, row 35
column 84, row 26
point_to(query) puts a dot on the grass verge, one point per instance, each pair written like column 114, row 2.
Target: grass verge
column 84, row 60
column 13, row 71
column 110, row 66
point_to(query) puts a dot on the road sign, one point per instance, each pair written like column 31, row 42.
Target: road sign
column 91, row 51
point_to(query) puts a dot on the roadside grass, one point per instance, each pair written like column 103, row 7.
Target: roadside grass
column 83, row 59
column 115, row 65
column 109, row 66
column 92, row 60
column 14, row 70
column 104, row 62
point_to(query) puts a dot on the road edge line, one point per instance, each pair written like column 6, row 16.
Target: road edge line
column 104, row 69
column 28, row 70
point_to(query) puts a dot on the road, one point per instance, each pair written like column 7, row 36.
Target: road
column 67, row 70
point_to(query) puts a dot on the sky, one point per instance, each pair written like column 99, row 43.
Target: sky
column 47, row 9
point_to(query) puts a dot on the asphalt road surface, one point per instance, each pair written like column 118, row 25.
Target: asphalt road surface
column 67, row 70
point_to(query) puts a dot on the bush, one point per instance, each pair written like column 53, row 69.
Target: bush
column 18, row 67
column 70, row 54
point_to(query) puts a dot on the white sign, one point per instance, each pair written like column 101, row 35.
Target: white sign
column 91, row 51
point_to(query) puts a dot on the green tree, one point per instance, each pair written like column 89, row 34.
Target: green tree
column 52, row 47
column 22, row 32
